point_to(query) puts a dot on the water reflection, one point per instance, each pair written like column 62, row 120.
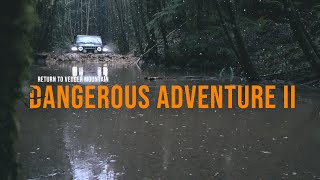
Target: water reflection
column 80, row 71
column 86, row 162
column 101, row 72
column 74, row 71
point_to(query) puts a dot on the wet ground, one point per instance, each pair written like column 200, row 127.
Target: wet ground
column 167, row 144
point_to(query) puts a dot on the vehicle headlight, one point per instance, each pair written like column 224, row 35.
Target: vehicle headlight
column 80, row 48
column 105, row 49
column 74, row 49
column 98, row 48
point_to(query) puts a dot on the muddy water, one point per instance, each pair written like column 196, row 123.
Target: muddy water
column 167, row 144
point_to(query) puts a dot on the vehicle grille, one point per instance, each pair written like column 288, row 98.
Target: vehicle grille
column 89, row 47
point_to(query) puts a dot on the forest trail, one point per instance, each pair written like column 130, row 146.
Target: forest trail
column 80, row 57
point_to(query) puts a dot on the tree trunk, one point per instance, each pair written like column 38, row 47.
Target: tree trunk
column 81, row 19
column 88, row 17
column 149, row 34
column 165, row 42
column 135, row 24
column 226, row 30
column 302, row 37
column 151, row 10
column 122, row 39
column 244, row 60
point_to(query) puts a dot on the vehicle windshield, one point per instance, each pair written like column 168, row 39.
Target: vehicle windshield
column 88, row 40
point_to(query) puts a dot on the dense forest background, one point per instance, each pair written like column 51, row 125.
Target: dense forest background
column 265, row 36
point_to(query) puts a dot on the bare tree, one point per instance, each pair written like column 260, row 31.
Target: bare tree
column 302, row 36
column 244, row 58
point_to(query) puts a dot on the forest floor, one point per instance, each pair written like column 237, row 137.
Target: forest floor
column 80, row 57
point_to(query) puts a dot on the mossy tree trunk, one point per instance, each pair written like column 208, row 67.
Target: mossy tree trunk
column 16, row 19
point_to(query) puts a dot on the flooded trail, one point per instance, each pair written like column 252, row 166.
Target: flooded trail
column 167, row 143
